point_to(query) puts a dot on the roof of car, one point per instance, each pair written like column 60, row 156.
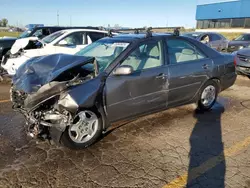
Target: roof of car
column 67, row 27
column 68, row 30
column 193, row 32
column 131, row 36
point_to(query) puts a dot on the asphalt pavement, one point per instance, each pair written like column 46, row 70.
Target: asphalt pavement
column 179, row 147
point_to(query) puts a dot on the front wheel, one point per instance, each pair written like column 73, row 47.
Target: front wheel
column 85, row 130
column 208, row 96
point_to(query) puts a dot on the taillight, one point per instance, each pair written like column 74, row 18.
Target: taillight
column 235, row 60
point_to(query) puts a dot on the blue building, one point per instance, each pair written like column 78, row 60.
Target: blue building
column 232, row 14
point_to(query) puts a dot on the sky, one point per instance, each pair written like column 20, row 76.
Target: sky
column 126, row 13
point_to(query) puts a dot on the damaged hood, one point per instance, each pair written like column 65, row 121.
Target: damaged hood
column 39, row 71
column 21, row 43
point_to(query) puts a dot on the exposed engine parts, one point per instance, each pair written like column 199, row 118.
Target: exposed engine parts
column 46, row 104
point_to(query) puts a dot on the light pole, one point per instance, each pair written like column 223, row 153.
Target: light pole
column 58, row 18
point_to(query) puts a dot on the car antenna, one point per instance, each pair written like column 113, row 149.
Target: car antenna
column 148, row 32
column 110, row 33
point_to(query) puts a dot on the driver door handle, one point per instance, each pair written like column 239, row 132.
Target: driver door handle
column 162, row 76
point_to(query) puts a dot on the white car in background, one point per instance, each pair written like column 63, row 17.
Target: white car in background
column 67, row 41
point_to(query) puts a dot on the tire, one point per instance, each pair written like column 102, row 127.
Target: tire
column 70, row 137
column 206, row 102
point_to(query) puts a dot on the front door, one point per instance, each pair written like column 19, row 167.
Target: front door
column 189, row 68
column 142, row 91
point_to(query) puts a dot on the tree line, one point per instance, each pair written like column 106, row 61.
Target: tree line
column 3, row 22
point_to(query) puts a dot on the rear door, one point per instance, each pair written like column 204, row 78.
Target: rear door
column 215, row 42
column 189, row 68
column 144, row 90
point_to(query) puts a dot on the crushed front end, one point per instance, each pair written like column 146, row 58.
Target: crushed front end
column 40, row 91
column 42, row 111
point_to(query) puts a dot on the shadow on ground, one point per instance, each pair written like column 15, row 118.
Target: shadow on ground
column 206, row 145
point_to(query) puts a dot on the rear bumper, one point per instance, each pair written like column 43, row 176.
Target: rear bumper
column 228, row 80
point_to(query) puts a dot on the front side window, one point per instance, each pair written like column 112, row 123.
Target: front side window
column 145, row 56
column 73, row 39
column 104, row 51
column 25, row 34
column 180, row 51
column 38, row 32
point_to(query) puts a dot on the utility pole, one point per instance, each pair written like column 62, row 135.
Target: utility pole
column 58, row 18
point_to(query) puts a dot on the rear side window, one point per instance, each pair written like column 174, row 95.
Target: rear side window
column 180, row 51
column 96, row 36
column 53, row 30
column 215, row 37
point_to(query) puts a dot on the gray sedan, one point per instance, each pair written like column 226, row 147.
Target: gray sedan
column 73, row 99
column 242, row 61
column 213, row 40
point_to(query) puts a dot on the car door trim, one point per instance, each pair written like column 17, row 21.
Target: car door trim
column 165, row 90
column 196, row 83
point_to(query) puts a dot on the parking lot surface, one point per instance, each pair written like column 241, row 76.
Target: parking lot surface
column 180, row 147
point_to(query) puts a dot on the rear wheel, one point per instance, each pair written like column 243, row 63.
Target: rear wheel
column 208, row 95
column 85, row 130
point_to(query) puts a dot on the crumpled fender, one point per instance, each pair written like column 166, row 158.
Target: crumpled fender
column 86, row 95
column 90, row 95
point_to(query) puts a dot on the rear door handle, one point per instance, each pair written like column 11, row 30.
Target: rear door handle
column 205, row 66
column 162, row 76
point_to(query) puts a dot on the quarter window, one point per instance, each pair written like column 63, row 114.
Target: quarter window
column 180, row 51
column 145, row 56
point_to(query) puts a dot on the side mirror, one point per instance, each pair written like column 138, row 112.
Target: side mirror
column 123, row 70
column 63, row 43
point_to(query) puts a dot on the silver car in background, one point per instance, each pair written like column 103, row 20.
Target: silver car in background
column 213, row 40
